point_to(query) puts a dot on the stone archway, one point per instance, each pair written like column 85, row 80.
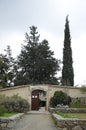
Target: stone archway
column 38, row 100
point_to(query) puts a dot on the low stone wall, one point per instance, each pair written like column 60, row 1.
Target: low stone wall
column 69, row 124
column 10, row 122
column 68, row 110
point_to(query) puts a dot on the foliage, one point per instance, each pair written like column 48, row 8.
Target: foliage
column 6, row 68
column 77, row 104
column 36, row 62
column 2, row 98
column 54, row 120
column 64, row 115
column 72, row 115
column 3, row 70
column 2, row 110
column 16, row 104
column 8, row 114
column 60, row 98
column 67, row 71
column 83, row 89
column 11, row 62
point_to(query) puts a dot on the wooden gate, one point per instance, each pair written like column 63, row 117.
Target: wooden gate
column 35, row 100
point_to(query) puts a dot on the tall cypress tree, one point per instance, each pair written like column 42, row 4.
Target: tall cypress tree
column 67, row 71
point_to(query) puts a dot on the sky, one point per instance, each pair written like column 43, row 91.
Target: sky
column 16, row 16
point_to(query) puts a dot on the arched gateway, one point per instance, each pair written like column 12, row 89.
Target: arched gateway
column 38, row 100
column 39, row 97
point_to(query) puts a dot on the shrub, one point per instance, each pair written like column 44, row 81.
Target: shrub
column 78, row 104
column 2, row 110
column 83, row 89
column 2, row 98
column 60, row 98
column 16, row 104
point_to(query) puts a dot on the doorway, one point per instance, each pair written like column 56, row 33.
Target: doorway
column 38, row 99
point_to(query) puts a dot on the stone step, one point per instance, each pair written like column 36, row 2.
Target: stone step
column 38, row 112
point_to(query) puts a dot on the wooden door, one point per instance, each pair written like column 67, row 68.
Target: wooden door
column 35, row 100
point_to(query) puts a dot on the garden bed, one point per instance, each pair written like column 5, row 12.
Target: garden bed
column 8, row 123
column 73, row 115
column 69, row 123
column 69, row 118
column 6, row 114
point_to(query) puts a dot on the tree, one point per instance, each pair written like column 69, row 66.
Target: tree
column 11, row 62
column 67, row 71
column 3, row 70
column 36, row 62
column 47, row 65
column 60, row 98
column 6, row 68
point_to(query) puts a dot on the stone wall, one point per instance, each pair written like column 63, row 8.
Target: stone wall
column 68, row 110
column 25, row 91
column 69, row 124
column 20, row 90
column 74, row 92
column 82, row 100
column 9, row 123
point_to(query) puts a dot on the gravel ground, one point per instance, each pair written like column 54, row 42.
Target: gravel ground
column 35, row 122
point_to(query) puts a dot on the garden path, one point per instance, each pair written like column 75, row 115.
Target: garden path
column 36, row 121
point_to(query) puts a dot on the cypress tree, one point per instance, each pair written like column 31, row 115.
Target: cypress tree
column 67, row 71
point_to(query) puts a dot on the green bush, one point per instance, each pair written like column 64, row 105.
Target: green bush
column 2, row 98
column 16, row 104
column 83, row 89
column 60, row 98
column 77, row 104
column 2, row 110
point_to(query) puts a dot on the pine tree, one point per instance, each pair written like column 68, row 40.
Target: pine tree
column 67, row 71
column 36, row 62
column 10, row 71
column 3, row 70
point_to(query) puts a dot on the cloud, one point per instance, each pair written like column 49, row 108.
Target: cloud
column 14, row 39
column 79, row 52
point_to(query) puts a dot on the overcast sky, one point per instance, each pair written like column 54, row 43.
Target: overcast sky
column 16, row 16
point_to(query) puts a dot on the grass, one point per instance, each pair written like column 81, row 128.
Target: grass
column 73, row 115
column 8, row 114
column 77, row 106
column 54, row 120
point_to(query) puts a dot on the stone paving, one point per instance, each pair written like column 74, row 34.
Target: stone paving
column 36, row 121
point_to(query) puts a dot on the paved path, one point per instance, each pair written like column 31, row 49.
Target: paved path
column 36, row 122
